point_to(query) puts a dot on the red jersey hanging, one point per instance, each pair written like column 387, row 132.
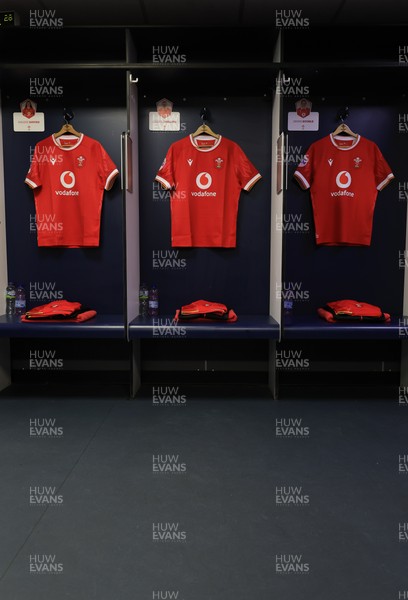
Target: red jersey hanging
column 344, row 175
column 68, row 176
column 205, row 176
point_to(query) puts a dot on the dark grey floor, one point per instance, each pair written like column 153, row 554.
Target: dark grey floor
column 342, row 535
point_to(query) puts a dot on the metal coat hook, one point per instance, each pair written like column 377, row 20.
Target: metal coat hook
column 204, row 115
column 68, row 115
column 343, row 114
column 131, row 80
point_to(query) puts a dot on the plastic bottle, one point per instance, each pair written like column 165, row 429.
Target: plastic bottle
column 143, row 300
column 153, row 301
column 10, row 298
column 288, row 310
column 20, row 304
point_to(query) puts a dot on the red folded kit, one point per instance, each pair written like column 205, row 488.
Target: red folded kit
column 203, row 310
column 352, row 310
column 60, row 310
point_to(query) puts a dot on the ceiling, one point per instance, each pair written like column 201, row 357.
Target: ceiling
column 211, row 13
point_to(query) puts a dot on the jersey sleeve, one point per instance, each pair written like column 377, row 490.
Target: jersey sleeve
column 108, row 169
column 33, row 177
column 304, row 173
column 246, row 172
column 382, row 171
column 165, row 174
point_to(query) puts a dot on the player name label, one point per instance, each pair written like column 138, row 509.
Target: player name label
column 298, row 123
column 22, row 123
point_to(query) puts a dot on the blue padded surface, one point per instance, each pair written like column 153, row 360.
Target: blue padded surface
column 101, row 326
column 313, row 327
column 163, row 327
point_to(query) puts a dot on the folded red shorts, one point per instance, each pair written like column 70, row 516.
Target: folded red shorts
column 352, row 310
column 204, row 310
column 59, row 310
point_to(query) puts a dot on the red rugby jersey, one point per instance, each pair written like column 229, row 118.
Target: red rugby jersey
column 344, row 175
column 68, row 176
column 205, row 176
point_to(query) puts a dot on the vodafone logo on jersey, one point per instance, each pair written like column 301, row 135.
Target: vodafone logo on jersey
column 67, row 180
column 204, row 181
column 343, row 181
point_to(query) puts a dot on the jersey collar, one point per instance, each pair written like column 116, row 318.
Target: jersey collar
column 205, row 149
column 356, row 141
column 67, row 148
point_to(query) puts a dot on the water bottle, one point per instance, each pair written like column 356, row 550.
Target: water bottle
column 288, row 310
column 153, row 301
column 143, row 300
column 10, row 298
column 20, row 304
